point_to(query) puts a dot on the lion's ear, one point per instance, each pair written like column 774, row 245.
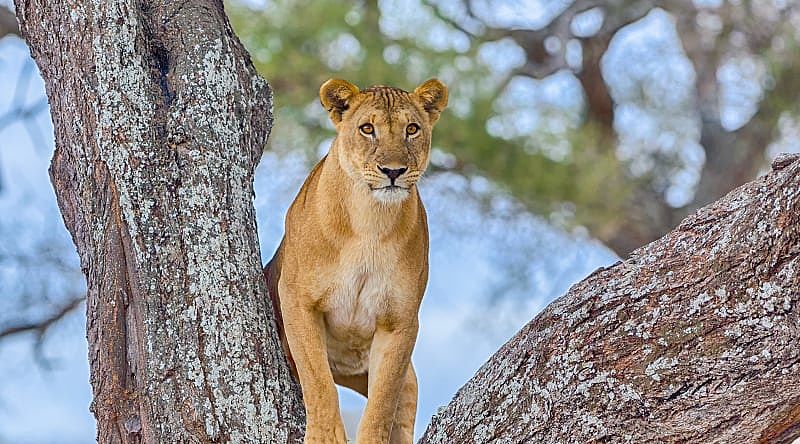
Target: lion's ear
column 335, row 95
column 433, row 96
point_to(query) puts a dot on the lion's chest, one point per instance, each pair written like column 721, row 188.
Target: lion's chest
column 360, row 288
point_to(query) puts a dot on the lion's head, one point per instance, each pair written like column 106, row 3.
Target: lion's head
column 384, row 133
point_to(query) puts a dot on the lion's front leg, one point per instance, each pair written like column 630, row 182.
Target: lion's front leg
column 390, row 356
column 305, row 333
column 403, row 429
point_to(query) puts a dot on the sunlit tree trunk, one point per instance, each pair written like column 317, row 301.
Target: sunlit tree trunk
column 693, row 339
column 160, row 119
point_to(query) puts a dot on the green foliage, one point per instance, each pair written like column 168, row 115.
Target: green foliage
column 297, row 45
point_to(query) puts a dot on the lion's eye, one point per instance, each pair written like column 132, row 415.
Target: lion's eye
column 412, row 129
column 367, row 129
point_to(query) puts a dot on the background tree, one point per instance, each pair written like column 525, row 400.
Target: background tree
column 640, row 150
column 39, row 284
column 8, row 22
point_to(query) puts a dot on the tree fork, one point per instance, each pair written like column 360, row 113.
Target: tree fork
column 160, row 119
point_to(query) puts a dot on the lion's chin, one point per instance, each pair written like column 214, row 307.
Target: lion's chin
column 390, row 195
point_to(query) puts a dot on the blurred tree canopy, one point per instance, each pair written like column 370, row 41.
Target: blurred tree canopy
column 620, row 116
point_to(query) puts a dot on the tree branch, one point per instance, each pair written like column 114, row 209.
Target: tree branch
column 692, row 339
column 40, row 326
column 8, row 23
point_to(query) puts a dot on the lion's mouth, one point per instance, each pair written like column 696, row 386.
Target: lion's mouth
column 389, row 188
column 390, row 194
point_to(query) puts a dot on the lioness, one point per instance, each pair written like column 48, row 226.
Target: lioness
column 353, row 264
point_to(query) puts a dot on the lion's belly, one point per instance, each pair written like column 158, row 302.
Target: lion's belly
column 358, row 297
column 348, row 357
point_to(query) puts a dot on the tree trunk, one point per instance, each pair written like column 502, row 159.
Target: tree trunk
column 691, row 340
column 160, row 119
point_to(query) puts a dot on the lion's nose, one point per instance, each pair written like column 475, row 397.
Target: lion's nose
column 392, row 173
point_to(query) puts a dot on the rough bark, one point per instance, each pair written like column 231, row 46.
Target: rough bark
column 692, row 339
column 160, row 119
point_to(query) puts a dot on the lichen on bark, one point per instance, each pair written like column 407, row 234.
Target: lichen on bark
column 160, row 121
column 691, row 339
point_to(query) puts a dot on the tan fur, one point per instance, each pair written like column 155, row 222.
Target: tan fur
column 353, row 265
